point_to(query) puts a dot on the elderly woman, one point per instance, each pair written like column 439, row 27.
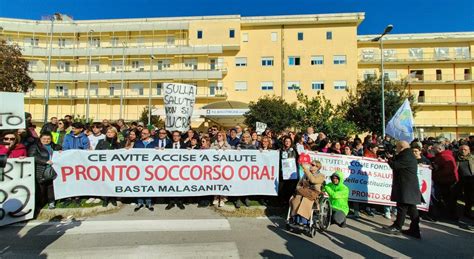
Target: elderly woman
column 245, row 143
column 220, row 144
column 307, row 192
column 42, row 151
column 11, row 146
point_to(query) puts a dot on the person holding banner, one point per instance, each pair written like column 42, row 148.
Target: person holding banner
column 145, row 142
column 176, row 144
column 110, row 142
column 220, row 143
column 245, row 143
column 42, row 151
column 289, row 173
column 405, row 190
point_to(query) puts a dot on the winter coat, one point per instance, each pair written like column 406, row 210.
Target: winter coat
column 405, row 185
column 140, row 144
column 18, row 151
column 215, row 145
column 470, row 160
column 41, row 155
column 338, row 194
column 108, row 144
column 72, row 141
column 445, row 170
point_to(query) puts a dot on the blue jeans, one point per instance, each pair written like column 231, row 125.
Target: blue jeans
column 146, row 201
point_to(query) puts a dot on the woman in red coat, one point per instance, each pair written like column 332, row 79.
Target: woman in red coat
column 11, row 146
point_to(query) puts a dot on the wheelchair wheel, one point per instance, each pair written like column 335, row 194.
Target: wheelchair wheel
column 312, row 231
column 325, row 213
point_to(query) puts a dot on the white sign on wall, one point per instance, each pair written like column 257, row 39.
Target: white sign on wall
column 12, row 111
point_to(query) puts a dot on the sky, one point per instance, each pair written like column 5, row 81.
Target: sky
column 407, row 16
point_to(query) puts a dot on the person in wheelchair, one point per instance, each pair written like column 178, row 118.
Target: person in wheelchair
column 307, row 193
column 338, row 194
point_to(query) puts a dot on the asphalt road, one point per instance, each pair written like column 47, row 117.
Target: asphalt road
column 203, row 233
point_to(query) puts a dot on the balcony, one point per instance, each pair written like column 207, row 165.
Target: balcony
column 202, row 92
column 198, row 74
column 439, row 78
column 443, row 100
column 405, row 56
column 443, row 122
column 161, row 49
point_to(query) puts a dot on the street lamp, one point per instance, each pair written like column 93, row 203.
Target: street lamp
column 121, row 79
column 58, row 17
column 89, row 75
column 387, row 30
column 149, row 90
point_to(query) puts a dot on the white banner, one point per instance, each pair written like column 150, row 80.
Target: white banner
column 369, row 180
column 179, row 104
column 165, row 173
column 17, row 191
column 12, row 111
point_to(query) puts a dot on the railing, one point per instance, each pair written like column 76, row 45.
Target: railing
column 443, row 99
column 434, row 78
column 404, row 55
column 202, row 92
column 441, row 121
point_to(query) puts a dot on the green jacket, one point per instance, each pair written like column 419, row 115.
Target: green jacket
column 338, row 194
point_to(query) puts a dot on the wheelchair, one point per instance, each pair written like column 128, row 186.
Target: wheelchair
column 319, row 221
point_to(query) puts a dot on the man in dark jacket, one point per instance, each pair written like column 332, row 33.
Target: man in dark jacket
column 176, row 144
column 465, row 162
column 405, row 190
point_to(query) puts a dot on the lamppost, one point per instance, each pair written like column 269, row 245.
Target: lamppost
column 121, row 79
column 58, row 17
column 387, row 30
column 89, row 76
column 149, row 90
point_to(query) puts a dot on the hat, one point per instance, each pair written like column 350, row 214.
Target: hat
column 141, row 124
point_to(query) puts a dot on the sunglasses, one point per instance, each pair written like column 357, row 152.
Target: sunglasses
column 6, row 139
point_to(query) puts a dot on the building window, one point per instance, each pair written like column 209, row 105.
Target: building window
column 340, row 85
column 415, row 53
column 439, row 76
column 231, row 33
column 94, row 90
column 329, row 35
column 137, row 89
column 317, row 60
column 274, row 36
column 170, row 40
column 293, row 85
column 191, row 63
column 462, row 52
column 441, row 53
column 159, row 89
column 240, row 86
column 467, row 74
column 94, row 42
column 62, row 90
column 300, row 36
column 368, row 75
column 32, row 42
column 199, row 34
column 114, row 89
column 62, row 43
column 266, row 86
column 114, row 42
column 241, row 62
column 32, row 65
column 95, row 66
column 294, row 61
column 339, row 59
column 140, row 41
column 368, row 54
column 417, row 75
column 390, row 75
column 245, row 37
column 164, row 64
column 64, row 66
column 267, row 61
column 138, row 65
column 117, row 65
column 317, row 85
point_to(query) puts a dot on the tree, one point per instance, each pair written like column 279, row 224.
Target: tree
column 155, row 119
column 13, row 69
column 363, row 106
column 319, row 113
column 274, row 111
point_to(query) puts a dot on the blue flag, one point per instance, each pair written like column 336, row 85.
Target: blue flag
column 401, row 125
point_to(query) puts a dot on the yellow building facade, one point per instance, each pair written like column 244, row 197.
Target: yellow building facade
column 110, row 68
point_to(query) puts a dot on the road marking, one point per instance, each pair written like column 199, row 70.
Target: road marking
column 183, row 250
column 94, row 227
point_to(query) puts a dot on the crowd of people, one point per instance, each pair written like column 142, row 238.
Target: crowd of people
column 452, row 162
